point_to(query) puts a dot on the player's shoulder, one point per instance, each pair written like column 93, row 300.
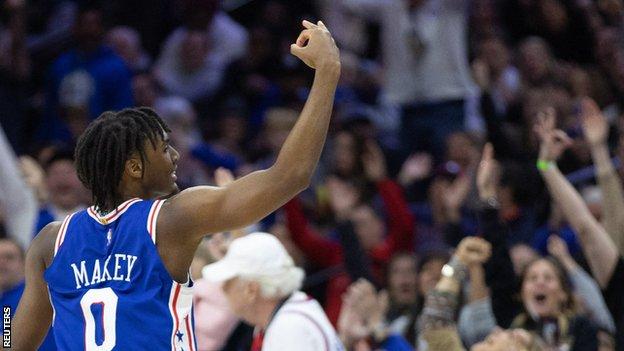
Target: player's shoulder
column 42, row 245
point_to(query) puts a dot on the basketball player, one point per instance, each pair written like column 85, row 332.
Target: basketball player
column 115, row 276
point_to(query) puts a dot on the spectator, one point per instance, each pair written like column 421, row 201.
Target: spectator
column 369, row 228
column 127, row 44
column 145, row 90
column 194, row 57
column 66, row 193
column 15, row 70
column 12, row 259
column 427, row 71
column 18, row 203
column 191, row 72
column 11, row 273
column 550, row 311
column 262, row 287
column 437, row 325
column 85, row 81
column 181, row 118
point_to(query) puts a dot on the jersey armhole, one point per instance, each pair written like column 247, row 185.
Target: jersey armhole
column 60, row 236
column 152, row 219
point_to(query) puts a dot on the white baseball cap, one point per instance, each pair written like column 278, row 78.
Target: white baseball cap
column 253, row 255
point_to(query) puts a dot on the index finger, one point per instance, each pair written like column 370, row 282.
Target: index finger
column 309, row 25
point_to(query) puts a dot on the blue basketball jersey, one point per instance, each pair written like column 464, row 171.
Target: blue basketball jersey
column 109, row 288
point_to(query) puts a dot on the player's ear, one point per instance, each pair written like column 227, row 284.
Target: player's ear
column 134, row 167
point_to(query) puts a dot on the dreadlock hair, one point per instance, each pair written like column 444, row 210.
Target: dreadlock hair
column 103, row 149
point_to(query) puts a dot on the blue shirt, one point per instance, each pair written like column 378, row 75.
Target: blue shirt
column 108, row 79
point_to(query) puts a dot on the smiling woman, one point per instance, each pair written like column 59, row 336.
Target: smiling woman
column 550, row 308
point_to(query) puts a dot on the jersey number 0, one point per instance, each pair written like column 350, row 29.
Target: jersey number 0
column 103, row 303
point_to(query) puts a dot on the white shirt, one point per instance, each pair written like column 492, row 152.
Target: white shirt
column 300, row 324
column 440, row 71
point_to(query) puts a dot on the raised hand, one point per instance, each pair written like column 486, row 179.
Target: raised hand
column 553, row 141
column 374, row 162
column 456, row 193
column 34, row 176
column 473, row 250
column 488, row 173
column 595, row 125
column 342, row 197
column 357, row 302
column 415, row 168
column 316, row 47
column 558, row 248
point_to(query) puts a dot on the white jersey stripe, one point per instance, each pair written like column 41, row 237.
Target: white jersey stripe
column 173, row 326
column 61, row 234
column 154, row 219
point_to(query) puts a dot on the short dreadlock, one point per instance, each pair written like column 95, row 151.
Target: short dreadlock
column 106, row 145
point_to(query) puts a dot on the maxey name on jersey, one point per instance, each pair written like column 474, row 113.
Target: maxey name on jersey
column 90, row 273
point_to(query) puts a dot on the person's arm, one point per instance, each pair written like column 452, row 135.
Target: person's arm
column 400, row 220
column 355, row 259
column 585, row 287
column 596, row 130
column 437, row 321
column 499, row 271
column 476, row 321
column 34, row 312
column 599, row 249
column 319, row 250
column 17, row 200
column 476, row 318
column 198, row 211
column 401, row 227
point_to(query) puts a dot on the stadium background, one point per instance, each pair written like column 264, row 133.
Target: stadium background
column 424, row 85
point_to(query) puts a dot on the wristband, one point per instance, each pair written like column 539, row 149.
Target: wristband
column 543, row 165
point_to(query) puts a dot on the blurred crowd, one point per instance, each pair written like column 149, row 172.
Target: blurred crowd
column 406, row 174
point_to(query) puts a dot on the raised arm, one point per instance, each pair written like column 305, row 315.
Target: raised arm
column 34, row 312
column 203, row 210
column 16, row 198
column 400, row 221
column 598, row 247
column 320, row 250
column 596, row 130
column 437, row 322
column 500, row 276
column 586, row 287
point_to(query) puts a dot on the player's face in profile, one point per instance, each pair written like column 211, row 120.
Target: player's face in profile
column 160, row 177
